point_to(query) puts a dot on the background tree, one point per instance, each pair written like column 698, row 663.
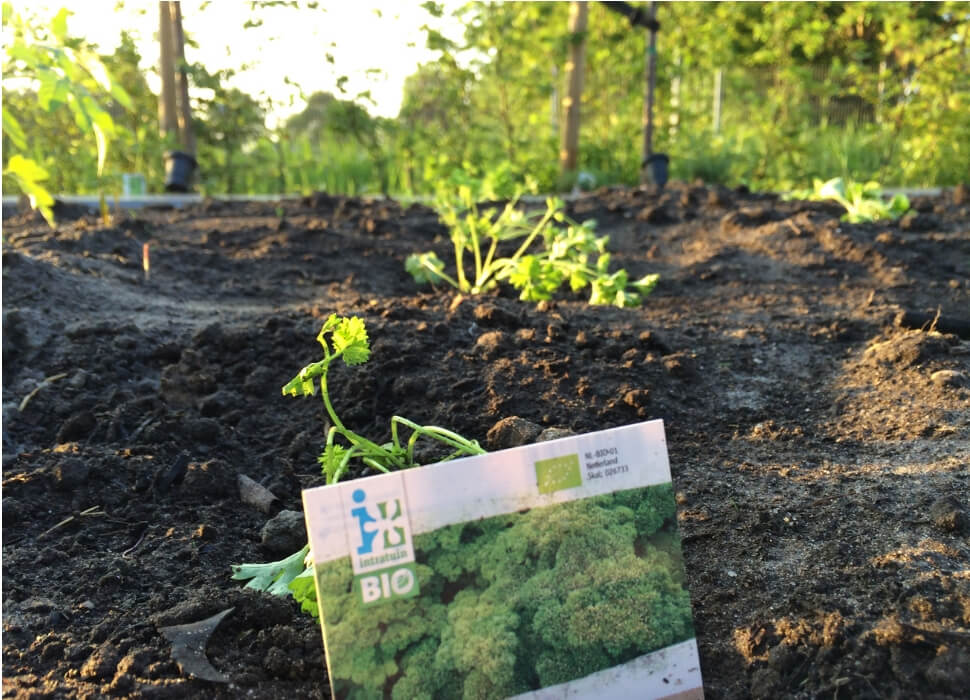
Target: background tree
column 575, row 71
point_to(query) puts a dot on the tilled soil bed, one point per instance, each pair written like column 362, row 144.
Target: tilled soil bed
column 819, row 438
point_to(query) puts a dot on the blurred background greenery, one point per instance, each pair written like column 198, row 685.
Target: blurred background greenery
column 769, row 95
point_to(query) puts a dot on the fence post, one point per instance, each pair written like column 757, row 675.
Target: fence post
column 718, row 95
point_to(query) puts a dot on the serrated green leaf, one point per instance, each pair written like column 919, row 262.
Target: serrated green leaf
column 304, row 590
column 350, row 340
column 29, row 176
column 577, row 280
column 646, row 284
column 425, row 267
column 26, row 169
column 833, row 189
column 898, row 205
column 331, row 461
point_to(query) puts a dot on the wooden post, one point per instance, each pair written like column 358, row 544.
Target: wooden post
column 167, row 110
column 186, row 132
column 575, row 67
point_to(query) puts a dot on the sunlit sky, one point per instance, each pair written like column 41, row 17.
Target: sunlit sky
column 361, row 35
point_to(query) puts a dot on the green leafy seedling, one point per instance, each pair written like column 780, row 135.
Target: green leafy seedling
column 346, row 339
column 863, row 202
column 552, row 250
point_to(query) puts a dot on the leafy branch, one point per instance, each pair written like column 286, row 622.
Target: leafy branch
column 66, row 72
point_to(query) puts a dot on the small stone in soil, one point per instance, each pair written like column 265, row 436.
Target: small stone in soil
column 949, row 377
column 285, row 533
column 554, row 434
column 172, row 474
column 255, row 494
column 212, row 478
column 70, row 474
column 948, row 514
column 490, row 343
column 637, row 398
column 13, row 511
column 78, row 426
column 494, row 316
column 512, row 432
column 680, row 365
column 101, row 664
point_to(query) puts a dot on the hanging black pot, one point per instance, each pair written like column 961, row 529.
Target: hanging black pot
column 179, row 167
column 657, row 165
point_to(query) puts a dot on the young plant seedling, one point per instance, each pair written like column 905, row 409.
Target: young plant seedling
column 862, row 202
column 573, row 254
column 346, row 339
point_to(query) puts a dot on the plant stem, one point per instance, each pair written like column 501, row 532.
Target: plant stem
column 531, row 237
column 459, row 265
column 371, row 449
column 476, row 246
column 487, row 270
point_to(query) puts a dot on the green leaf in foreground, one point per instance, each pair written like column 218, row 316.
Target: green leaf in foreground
column 273, row 577
column 29, row 176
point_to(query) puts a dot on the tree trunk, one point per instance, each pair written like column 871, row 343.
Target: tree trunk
column 575, row 67
column 167, row 110
column 186, row 132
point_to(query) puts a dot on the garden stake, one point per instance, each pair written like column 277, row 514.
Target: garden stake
column 654, row 164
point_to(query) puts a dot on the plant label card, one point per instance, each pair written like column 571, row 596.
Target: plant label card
column 546, row 571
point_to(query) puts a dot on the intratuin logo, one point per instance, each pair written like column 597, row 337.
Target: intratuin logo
column 383, row 555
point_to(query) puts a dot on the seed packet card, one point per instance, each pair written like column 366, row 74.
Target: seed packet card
column 551, row 570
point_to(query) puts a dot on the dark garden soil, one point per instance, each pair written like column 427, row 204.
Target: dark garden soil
column 819, row 440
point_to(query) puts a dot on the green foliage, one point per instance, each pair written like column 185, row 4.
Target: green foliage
column 864, row 91
column 67, row 73
column 30, row 178
column 862, row 202
column 573, row 255
column 543, row 597
column 273, row 577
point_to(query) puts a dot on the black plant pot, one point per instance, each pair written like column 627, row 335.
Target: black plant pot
column 657, row 167
column 179, row 167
